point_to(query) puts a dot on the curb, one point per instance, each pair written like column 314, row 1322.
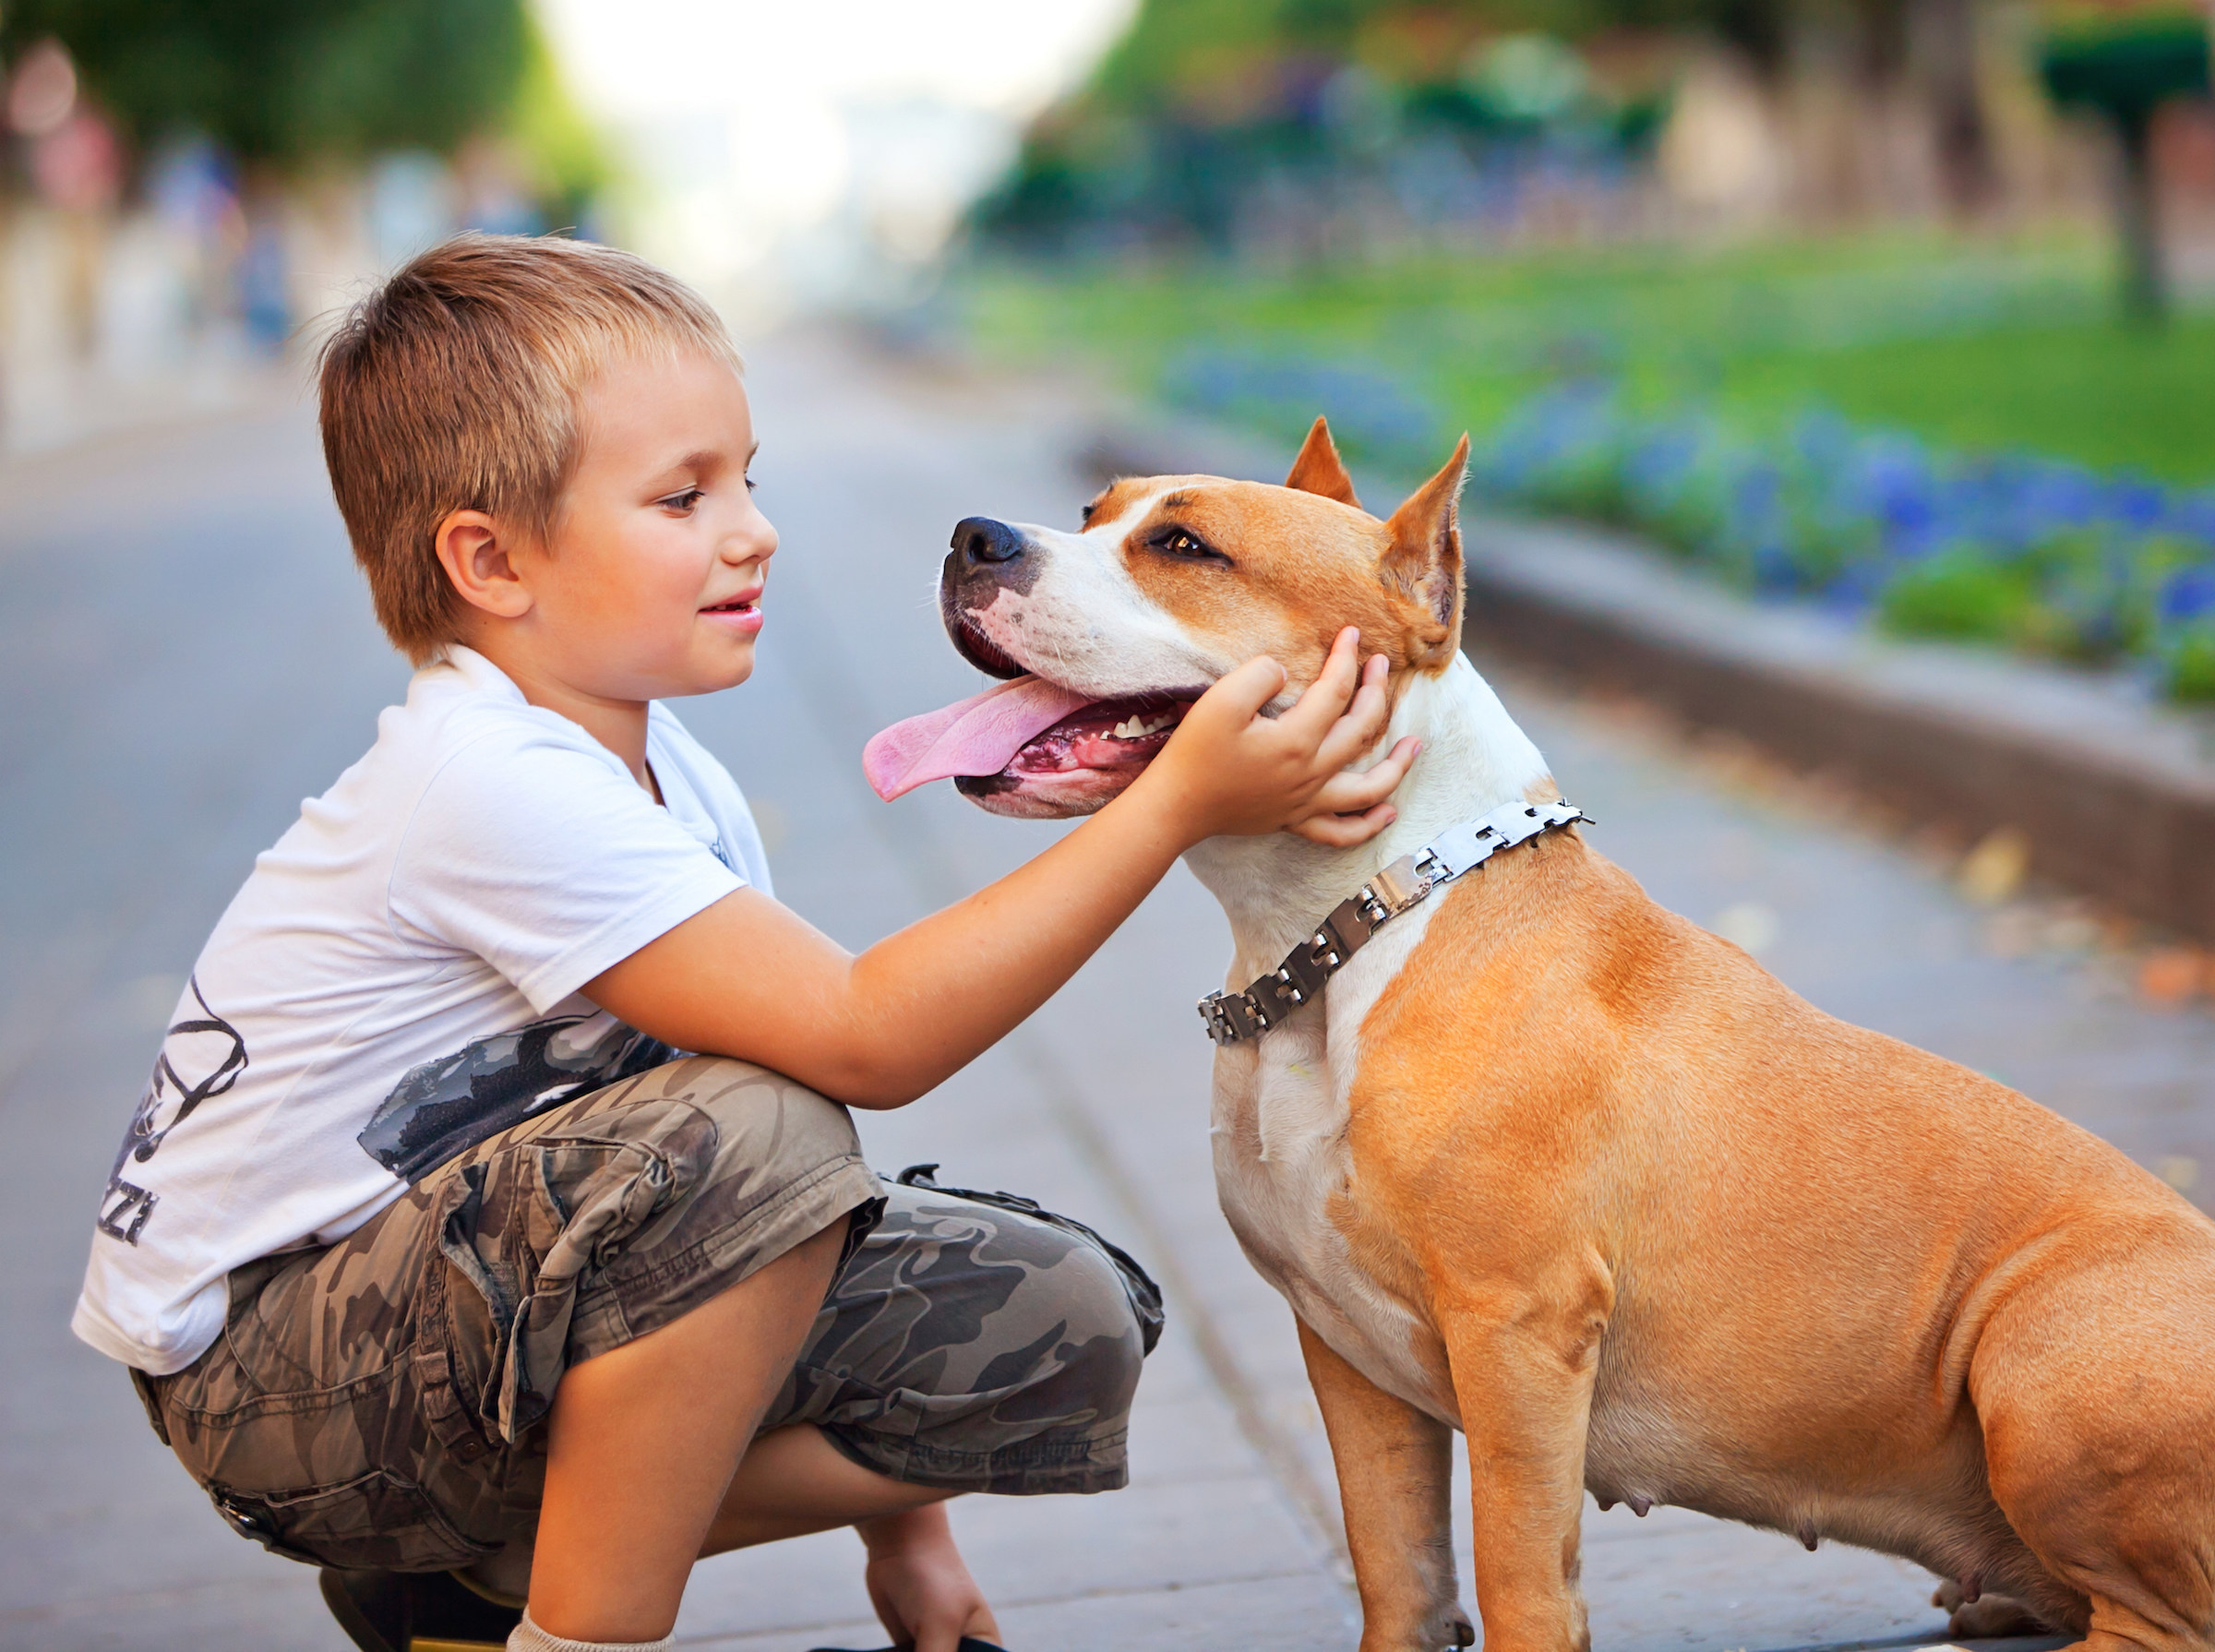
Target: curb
column 2113, row 793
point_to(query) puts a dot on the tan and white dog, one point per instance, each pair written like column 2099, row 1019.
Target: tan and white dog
column 1553, row 1166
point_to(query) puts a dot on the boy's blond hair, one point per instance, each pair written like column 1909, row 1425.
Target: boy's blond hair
column 454, row 386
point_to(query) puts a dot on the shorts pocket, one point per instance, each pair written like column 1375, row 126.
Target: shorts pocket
column 376, row 1523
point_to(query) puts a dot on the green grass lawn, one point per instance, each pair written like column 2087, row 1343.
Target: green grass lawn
column 1974, row 345
column 2110, row 396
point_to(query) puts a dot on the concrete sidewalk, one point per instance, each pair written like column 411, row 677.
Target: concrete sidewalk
column 189, row 654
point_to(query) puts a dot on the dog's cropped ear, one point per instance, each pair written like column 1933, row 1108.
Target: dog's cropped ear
column 1319, row 470
column 1422, row 560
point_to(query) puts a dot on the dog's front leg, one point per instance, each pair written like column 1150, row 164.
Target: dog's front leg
column 1523, row 1367
column 1396, row 1481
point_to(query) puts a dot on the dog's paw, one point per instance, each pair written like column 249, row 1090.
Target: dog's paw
column 1989, row 1617
column 1442, row 1629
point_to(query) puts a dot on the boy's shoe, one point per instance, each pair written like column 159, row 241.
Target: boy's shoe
column 969, row 1643
column 417, row 1612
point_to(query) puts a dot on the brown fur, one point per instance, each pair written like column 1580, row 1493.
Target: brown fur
column 1846, row 1287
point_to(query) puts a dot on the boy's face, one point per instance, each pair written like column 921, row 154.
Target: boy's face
column 653, row 586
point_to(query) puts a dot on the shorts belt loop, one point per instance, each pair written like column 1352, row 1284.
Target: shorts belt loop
column 442, row 1407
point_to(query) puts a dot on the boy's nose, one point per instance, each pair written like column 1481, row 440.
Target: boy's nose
column 980, row 539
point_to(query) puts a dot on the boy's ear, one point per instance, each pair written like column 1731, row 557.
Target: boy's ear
column 473, row 552
column 1319, row 470
column 1422, row 558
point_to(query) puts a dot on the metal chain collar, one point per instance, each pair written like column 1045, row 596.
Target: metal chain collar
column 1231, row 1016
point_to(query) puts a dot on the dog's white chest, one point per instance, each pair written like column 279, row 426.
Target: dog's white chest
column 1283, row 1161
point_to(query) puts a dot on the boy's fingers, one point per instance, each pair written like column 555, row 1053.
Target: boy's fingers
column 1325, row 697
column 1364, row 720
column 1343, row 831
column 1347, row 794
column 1242, row 694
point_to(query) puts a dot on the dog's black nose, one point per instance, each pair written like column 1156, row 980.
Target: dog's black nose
column 980, row 539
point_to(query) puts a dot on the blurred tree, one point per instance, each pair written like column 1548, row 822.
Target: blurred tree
column 287, row 80
column 2123, row 60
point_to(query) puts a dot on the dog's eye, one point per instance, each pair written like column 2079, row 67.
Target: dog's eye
column 1184, row 543
column 1084, row 515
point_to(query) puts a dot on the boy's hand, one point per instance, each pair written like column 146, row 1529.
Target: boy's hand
column 919, row 1584
column 1229, row 772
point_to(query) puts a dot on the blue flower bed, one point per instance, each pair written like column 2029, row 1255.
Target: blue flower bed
column 2033, row 553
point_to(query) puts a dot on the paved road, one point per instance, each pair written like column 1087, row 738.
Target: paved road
column 188, row 654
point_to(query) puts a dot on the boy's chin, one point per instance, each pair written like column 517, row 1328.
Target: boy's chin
column 725, row 667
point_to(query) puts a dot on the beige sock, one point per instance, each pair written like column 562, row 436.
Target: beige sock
column 530, row 1637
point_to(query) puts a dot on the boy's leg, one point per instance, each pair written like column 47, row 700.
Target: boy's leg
column 795, row 1481
column 643, row 1440
column 963, row 1348
column 380, row 1405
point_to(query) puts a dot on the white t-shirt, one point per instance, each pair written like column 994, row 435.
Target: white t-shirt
column 396, row 981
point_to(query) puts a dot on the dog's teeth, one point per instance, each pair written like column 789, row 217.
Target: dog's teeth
column 1137, row 728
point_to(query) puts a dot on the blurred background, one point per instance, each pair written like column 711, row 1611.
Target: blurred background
column 1841, row 525
column 1899, row 304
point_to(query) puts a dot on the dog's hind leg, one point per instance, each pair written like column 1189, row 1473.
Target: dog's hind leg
column 2091, row 1382
column 1396, row 1480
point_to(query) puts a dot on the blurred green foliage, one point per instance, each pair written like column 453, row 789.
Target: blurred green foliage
column 1965, row 595
column 288, row 81
column 2076, row 597
column 1175, row 45
column 1202, row 101
column 2192, row 667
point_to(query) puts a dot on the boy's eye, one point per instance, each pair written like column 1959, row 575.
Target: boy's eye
column 751, row 484
column 684, row 499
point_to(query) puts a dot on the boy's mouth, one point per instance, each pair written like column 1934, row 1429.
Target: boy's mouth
column 741, row 612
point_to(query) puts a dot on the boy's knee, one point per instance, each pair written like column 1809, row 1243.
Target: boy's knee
column 1097, row 1348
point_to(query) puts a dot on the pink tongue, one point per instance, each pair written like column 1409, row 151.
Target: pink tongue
column 979, row 736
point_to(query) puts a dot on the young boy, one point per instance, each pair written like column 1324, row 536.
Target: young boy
column 434, row 1260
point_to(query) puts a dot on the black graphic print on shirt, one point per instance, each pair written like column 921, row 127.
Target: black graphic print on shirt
column 446, row 1107
column 201, row 1056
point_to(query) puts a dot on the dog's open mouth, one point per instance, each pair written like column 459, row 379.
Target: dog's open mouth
column 1027, row 747
column 1109, row 740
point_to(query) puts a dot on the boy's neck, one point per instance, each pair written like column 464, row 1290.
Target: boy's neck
column 619, row 725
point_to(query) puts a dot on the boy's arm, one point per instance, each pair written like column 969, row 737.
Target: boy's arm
column 749, row 978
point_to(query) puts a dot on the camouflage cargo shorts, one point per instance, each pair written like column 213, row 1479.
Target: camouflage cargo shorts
column 377, row 1404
